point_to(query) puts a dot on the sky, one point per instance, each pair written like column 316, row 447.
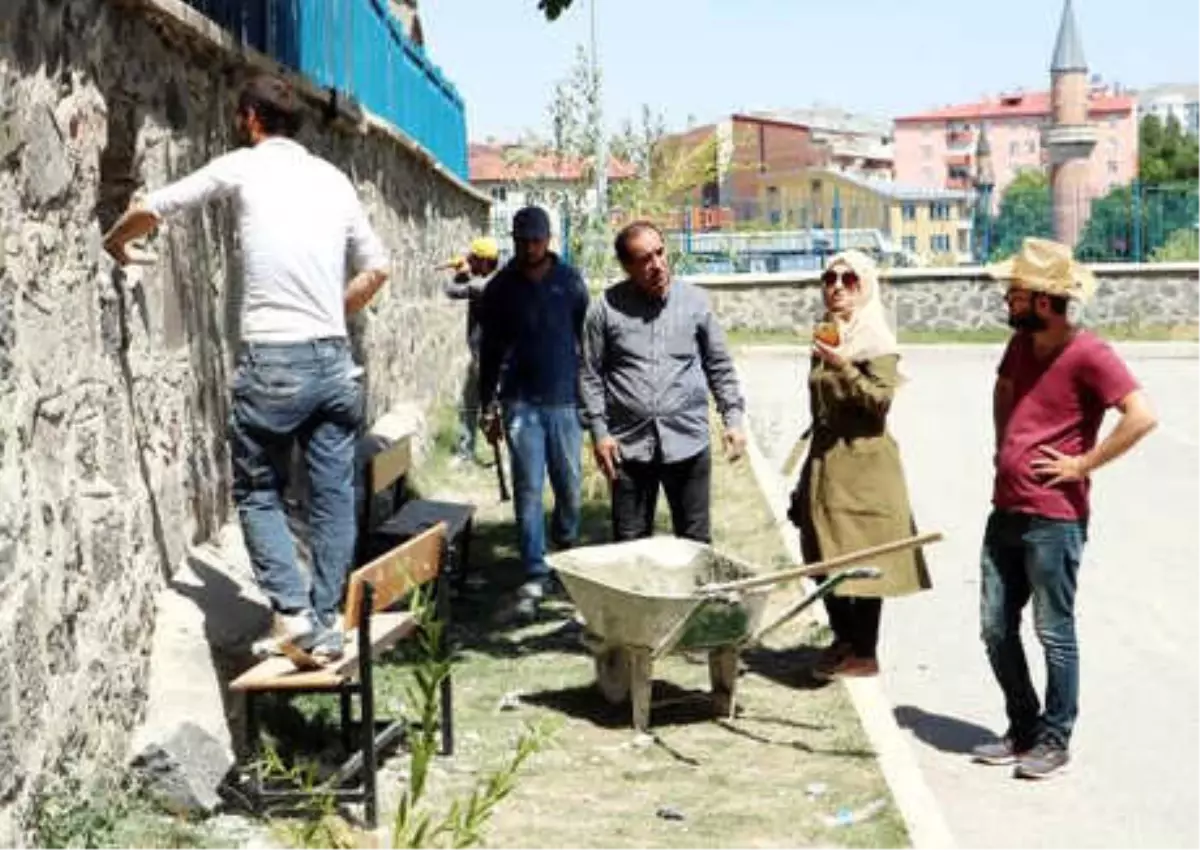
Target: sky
column 702, row 59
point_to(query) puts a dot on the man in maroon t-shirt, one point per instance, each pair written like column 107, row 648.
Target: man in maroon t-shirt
column 1053, row 387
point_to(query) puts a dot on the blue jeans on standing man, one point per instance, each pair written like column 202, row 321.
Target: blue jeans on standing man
column 541, row 439
column 283, row 393
column 1026, row 557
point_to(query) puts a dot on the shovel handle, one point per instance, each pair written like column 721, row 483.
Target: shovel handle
column 822, row 567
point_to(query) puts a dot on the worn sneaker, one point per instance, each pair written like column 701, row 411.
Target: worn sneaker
column 534, row 589
column 328, row 643
column 285, row 628
column 1004, row 751
column 1044, row 760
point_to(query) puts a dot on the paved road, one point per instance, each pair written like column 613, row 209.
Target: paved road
column 1133, row 781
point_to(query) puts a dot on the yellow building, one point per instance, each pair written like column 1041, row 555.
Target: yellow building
column 928, row 226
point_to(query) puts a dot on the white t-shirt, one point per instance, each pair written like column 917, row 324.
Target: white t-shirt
column 301, row 226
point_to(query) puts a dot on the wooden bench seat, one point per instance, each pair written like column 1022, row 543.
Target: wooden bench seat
column 280, row 674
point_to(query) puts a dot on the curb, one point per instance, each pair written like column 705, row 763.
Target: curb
column 922, row 815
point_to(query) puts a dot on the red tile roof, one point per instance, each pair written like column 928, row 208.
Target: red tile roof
column 504, row 163
column 1029, row 105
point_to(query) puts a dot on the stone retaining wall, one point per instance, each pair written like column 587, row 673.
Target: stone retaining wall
column 113, row 389
column 1161, row 294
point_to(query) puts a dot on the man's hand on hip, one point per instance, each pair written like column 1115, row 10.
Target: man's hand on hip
column 735, row 443
column 608, row 457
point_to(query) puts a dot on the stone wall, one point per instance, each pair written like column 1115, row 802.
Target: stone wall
column 1162, row 294
column 113, row 386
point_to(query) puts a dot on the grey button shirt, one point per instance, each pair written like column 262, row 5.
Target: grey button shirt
column 647, row 367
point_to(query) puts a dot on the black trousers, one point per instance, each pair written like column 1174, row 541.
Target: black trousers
column 855, row 622
column 686, row 484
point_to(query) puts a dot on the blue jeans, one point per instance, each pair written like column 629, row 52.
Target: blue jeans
column 283, row 393
column 1030, row 556
column 544, row 438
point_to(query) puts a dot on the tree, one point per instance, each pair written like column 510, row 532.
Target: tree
column 553, row 8
column 669, row 170
column 1024, row 211
column 576, row 132
column 1166, row 154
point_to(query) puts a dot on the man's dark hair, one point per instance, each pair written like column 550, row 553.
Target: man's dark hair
column 275, row 103
column 634, row 228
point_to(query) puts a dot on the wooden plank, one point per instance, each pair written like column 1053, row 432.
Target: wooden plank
column 390, row 465
column 393, row 574
column 280, row 674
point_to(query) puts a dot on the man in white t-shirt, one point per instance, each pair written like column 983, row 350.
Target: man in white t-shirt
column 300, row 225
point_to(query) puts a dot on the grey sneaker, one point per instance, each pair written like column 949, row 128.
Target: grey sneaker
column 1044, row 760
column 1004, row 751
column 285, row 628
column 328, row 643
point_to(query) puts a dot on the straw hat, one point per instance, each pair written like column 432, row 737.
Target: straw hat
column 1048, row 267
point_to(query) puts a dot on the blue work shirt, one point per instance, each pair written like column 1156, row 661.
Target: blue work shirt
column 530, row 347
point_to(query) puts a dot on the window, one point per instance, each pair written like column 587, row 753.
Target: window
column 499, row 193
column 1031, row 146
column 1014, row 148
column 927, row 151
column 909, row 243
column 939, row 211
column 815, row 186
column 909, row 212
column 964, row 241
column 774, row 214
column 1113, row 166
column 940, row 243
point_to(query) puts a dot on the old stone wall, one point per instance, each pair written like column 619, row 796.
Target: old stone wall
column 113, row 387
column 956, row 299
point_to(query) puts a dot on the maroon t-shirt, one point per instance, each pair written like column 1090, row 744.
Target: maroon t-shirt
column 1058, row 402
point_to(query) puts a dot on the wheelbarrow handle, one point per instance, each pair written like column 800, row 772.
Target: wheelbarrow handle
column 823, row 589
column 822, row 567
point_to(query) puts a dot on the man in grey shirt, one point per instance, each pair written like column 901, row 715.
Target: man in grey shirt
column 652, row 352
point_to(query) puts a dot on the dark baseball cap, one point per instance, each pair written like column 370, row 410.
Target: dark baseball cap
column 531, row 223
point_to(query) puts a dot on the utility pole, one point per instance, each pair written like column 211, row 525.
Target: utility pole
column 601, row 141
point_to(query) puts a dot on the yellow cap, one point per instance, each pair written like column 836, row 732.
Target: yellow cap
column 485, row 248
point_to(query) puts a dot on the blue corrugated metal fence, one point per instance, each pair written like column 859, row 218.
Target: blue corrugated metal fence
column 357, row 47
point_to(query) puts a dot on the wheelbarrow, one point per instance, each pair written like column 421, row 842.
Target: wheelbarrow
column 644, row 599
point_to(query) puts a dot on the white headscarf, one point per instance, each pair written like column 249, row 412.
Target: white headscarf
column 866, row 334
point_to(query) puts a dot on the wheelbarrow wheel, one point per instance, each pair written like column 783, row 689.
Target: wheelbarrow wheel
column 612, row 675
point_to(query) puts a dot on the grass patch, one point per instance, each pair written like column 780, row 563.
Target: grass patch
column 110, row 813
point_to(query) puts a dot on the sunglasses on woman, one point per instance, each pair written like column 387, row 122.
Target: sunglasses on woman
column 849, row 278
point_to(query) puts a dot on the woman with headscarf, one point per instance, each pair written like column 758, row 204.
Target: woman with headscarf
column 851, row 493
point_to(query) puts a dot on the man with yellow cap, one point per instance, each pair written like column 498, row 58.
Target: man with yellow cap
column 1054, row 384
column 471, row 276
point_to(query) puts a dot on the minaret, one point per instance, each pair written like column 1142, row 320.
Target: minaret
column 1069, row 138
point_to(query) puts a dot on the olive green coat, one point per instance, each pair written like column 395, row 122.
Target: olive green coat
column 851, row 493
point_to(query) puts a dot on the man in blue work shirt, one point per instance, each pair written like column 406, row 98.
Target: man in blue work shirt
column 532, row 322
